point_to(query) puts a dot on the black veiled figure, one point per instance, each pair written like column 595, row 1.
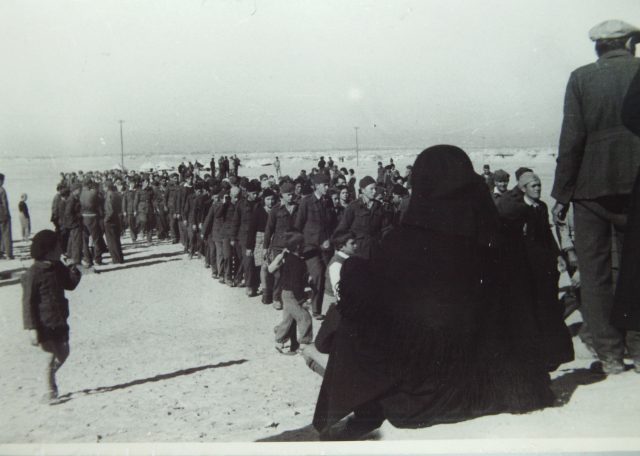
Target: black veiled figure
column 427, row 333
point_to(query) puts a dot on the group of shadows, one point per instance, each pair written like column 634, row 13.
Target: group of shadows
column 12, row 276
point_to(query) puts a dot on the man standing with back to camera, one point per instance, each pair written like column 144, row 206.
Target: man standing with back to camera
column 598, row 159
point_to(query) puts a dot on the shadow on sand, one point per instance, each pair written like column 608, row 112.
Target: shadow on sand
column 131, row 265
column 154, row 255
column 565, row 385
column 309, row 434
column 157, row 378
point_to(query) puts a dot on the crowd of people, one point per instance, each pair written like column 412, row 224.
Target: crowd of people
column 438, row 290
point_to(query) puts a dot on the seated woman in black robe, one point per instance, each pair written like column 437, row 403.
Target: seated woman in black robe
column 433, row 338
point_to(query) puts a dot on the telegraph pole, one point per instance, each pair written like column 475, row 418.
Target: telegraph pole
column 357, row 149
column 121, row 145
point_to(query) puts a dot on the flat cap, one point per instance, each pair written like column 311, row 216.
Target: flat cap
column 612, row 29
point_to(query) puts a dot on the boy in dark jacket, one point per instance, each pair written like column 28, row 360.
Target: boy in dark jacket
column 292, row 265
column 44, row 307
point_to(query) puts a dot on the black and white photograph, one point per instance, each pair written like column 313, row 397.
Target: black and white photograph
column 319, row 227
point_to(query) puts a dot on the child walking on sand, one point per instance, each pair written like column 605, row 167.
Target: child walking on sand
column 292, row 277
column 44, row 307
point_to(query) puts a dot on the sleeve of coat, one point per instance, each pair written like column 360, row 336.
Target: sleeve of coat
column 253, row 227
column 237, row 220
column 136, row 201
column 271, row 227
column 573, row 138
column 345, row 223
column 69, row 277
column 186, row 207
column 301, row 218
column 30, row 317
column 108, row 207
column 327, row 331
column 4, row 205
column 631, row 106
column 208, row 221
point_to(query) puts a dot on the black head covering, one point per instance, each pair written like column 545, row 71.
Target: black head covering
column 448, row 196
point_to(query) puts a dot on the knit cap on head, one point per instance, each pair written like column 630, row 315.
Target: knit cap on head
column 43, row 242
column 366, row 180
column 527, row 178
column 500, row 175
column 267, row 193
column 287, row 188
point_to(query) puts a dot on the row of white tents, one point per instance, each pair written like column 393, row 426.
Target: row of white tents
column 148, row 166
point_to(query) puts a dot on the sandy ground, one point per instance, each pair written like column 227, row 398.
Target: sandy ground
column 160, row 352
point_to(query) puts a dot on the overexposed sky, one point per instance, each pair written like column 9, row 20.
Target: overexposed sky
column 220, row 75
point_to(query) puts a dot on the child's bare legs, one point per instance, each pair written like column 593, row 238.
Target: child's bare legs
column 59, row 353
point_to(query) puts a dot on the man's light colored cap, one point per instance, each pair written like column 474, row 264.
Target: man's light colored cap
column 611, row 29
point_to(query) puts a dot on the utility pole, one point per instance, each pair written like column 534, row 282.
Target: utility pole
column 121, row 145
column 357, row 149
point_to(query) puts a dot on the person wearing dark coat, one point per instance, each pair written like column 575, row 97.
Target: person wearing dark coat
column 241, row 225
column 160, row 207
column 625, row 314
column 532, row 248
column 255, row 246
column 186, row 189
column 171, row 202
column 45, row 309
column 229, row 240
column 6, row 241
column 280, row 221
column 129, row 209
column 192, row 216
column 430, row 337
column 316, row 222
column 57, row 214
column 143, row 209
column 112, row 225
column 597, row 165
column 365, row 218
column 400, row 203
column 73, row 224
column 92, row 204
column 208, row 235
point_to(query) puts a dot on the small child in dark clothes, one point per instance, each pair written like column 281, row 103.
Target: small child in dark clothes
column 293, row 295
column 44, row 307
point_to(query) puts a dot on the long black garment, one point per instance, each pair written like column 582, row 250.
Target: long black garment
column 530, row 259
column 435, row 336
column 626, row 308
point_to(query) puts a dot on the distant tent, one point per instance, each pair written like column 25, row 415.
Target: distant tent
column 163, row 166
column 118, row 167
column 147, row 167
